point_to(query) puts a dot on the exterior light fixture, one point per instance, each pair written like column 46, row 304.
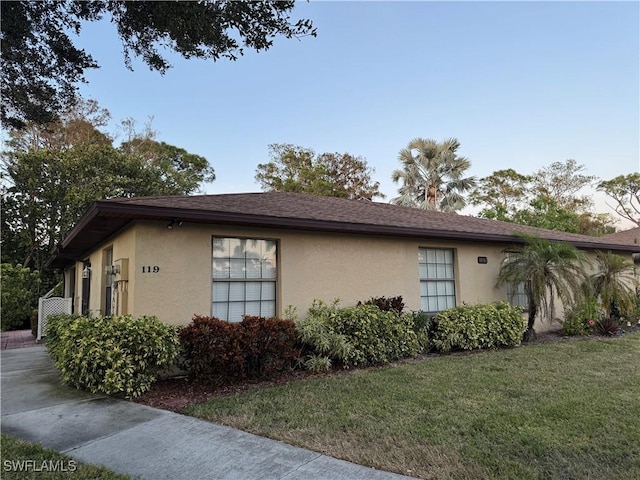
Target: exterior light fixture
column 86, row 272
column 174, row 222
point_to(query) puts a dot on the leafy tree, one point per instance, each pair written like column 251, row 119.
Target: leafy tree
column 547, row 270
column 41, row 66
column 502, row 194
column 52, row 174
column 299, row 169
column 432, row 176
column 17, row 295
column 625, row 191
column 545, row 212
column 561, row 182
column 613, row 283
column 549, row 198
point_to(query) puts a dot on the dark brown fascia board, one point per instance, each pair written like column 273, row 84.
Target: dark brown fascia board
column 89, row 215
column 228, row 218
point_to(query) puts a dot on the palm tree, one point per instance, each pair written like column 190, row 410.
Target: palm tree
column 547, row 270
column 613, row 283
column 432, row 176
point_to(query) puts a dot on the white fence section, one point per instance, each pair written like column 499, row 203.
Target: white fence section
column 51, row 306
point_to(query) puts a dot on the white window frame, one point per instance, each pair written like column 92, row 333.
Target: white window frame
column 516, row 294
column 246, row 279
column 437, row 272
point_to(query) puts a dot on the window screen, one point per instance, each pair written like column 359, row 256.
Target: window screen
column 244, row 278
column 437, row 280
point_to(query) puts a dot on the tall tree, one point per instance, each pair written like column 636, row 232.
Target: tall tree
column 547, row 270
column 299, row 169
column 549, row 198
column 624, row 190
column 432, row 176
column 41, row 67
column 501, row 194
column 51, row 174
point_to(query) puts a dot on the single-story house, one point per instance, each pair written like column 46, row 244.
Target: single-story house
column 259, row 253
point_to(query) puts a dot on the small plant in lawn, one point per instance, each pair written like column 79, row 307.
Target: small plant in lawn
column 583, row 317
column 608, row 327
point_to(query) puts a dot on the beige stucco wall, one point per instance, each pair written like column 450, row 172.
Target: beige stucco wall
column 123, row 245
column 170, row 270
column 310, row 266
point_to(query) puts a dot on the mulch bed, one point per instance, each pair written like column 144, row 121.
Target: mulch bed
column 174, row 394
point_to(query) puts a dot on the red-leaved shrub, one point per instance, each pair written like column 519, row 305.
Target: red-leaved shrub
column 220, row 351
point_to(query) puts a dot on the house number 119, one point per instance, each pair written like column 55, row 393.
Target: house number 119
column 150, row 269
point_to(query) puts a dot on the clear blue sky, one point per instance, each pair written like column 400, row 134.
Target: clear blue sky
column 520, row 84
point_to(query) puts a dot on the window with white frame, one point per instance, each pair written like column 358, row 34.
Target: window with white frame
column 244, row 278
column 516, row 294
column 437, row 279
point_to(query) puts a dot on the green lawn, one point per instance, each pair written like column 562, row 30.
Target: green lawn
column 567, row 410
column 24, row 460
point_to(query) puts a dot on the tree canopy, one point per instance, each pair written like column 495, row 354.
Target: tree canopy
column 52, row 174
column 298, row 169
column 432, row 176
column 549, row 198
column 624, row 190
column 41, row 67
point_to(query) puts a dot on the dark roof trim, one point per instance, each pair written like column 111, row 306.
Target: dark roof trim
column 121, row 214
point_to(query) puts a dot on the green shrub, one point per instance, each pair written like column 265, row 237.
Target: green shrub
column 470, row 327
column 582, row 318
column 322, row 344
column 317, row 363
column 257, row 347
column 360, row 335
column 18, row 285
column 110, row 355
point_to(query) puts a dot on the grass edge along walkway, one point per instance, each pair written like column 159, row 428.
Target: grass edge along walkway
column 566, row 410
column 26, row 460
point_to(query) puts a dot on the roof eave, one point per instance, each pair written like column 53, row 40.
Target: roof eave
column 146, row 212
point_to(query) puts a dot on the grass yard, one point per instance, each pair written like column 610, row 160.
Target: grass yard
column 16, row 453
column 566, row 410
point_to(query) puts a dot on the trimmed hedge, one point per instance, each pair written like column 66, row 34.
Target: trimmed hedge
column 118, row 354
column 470, row 327
column 360, row 335
column 257, row 347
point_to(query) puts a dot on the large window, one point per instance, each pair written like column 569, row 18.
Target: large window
column 437, row 280
column 516, row 294
column 244, row 278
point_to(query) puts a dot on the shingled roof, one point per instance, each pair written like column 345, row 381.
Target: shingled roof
column 302, row 212
column 630, row 237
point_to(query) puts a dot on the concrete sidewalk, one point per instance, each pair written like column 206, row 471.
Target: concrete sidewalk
column 142, row 441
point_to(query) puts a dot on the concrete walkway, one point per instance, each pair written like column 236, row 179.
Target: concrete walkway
column 142, row 441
